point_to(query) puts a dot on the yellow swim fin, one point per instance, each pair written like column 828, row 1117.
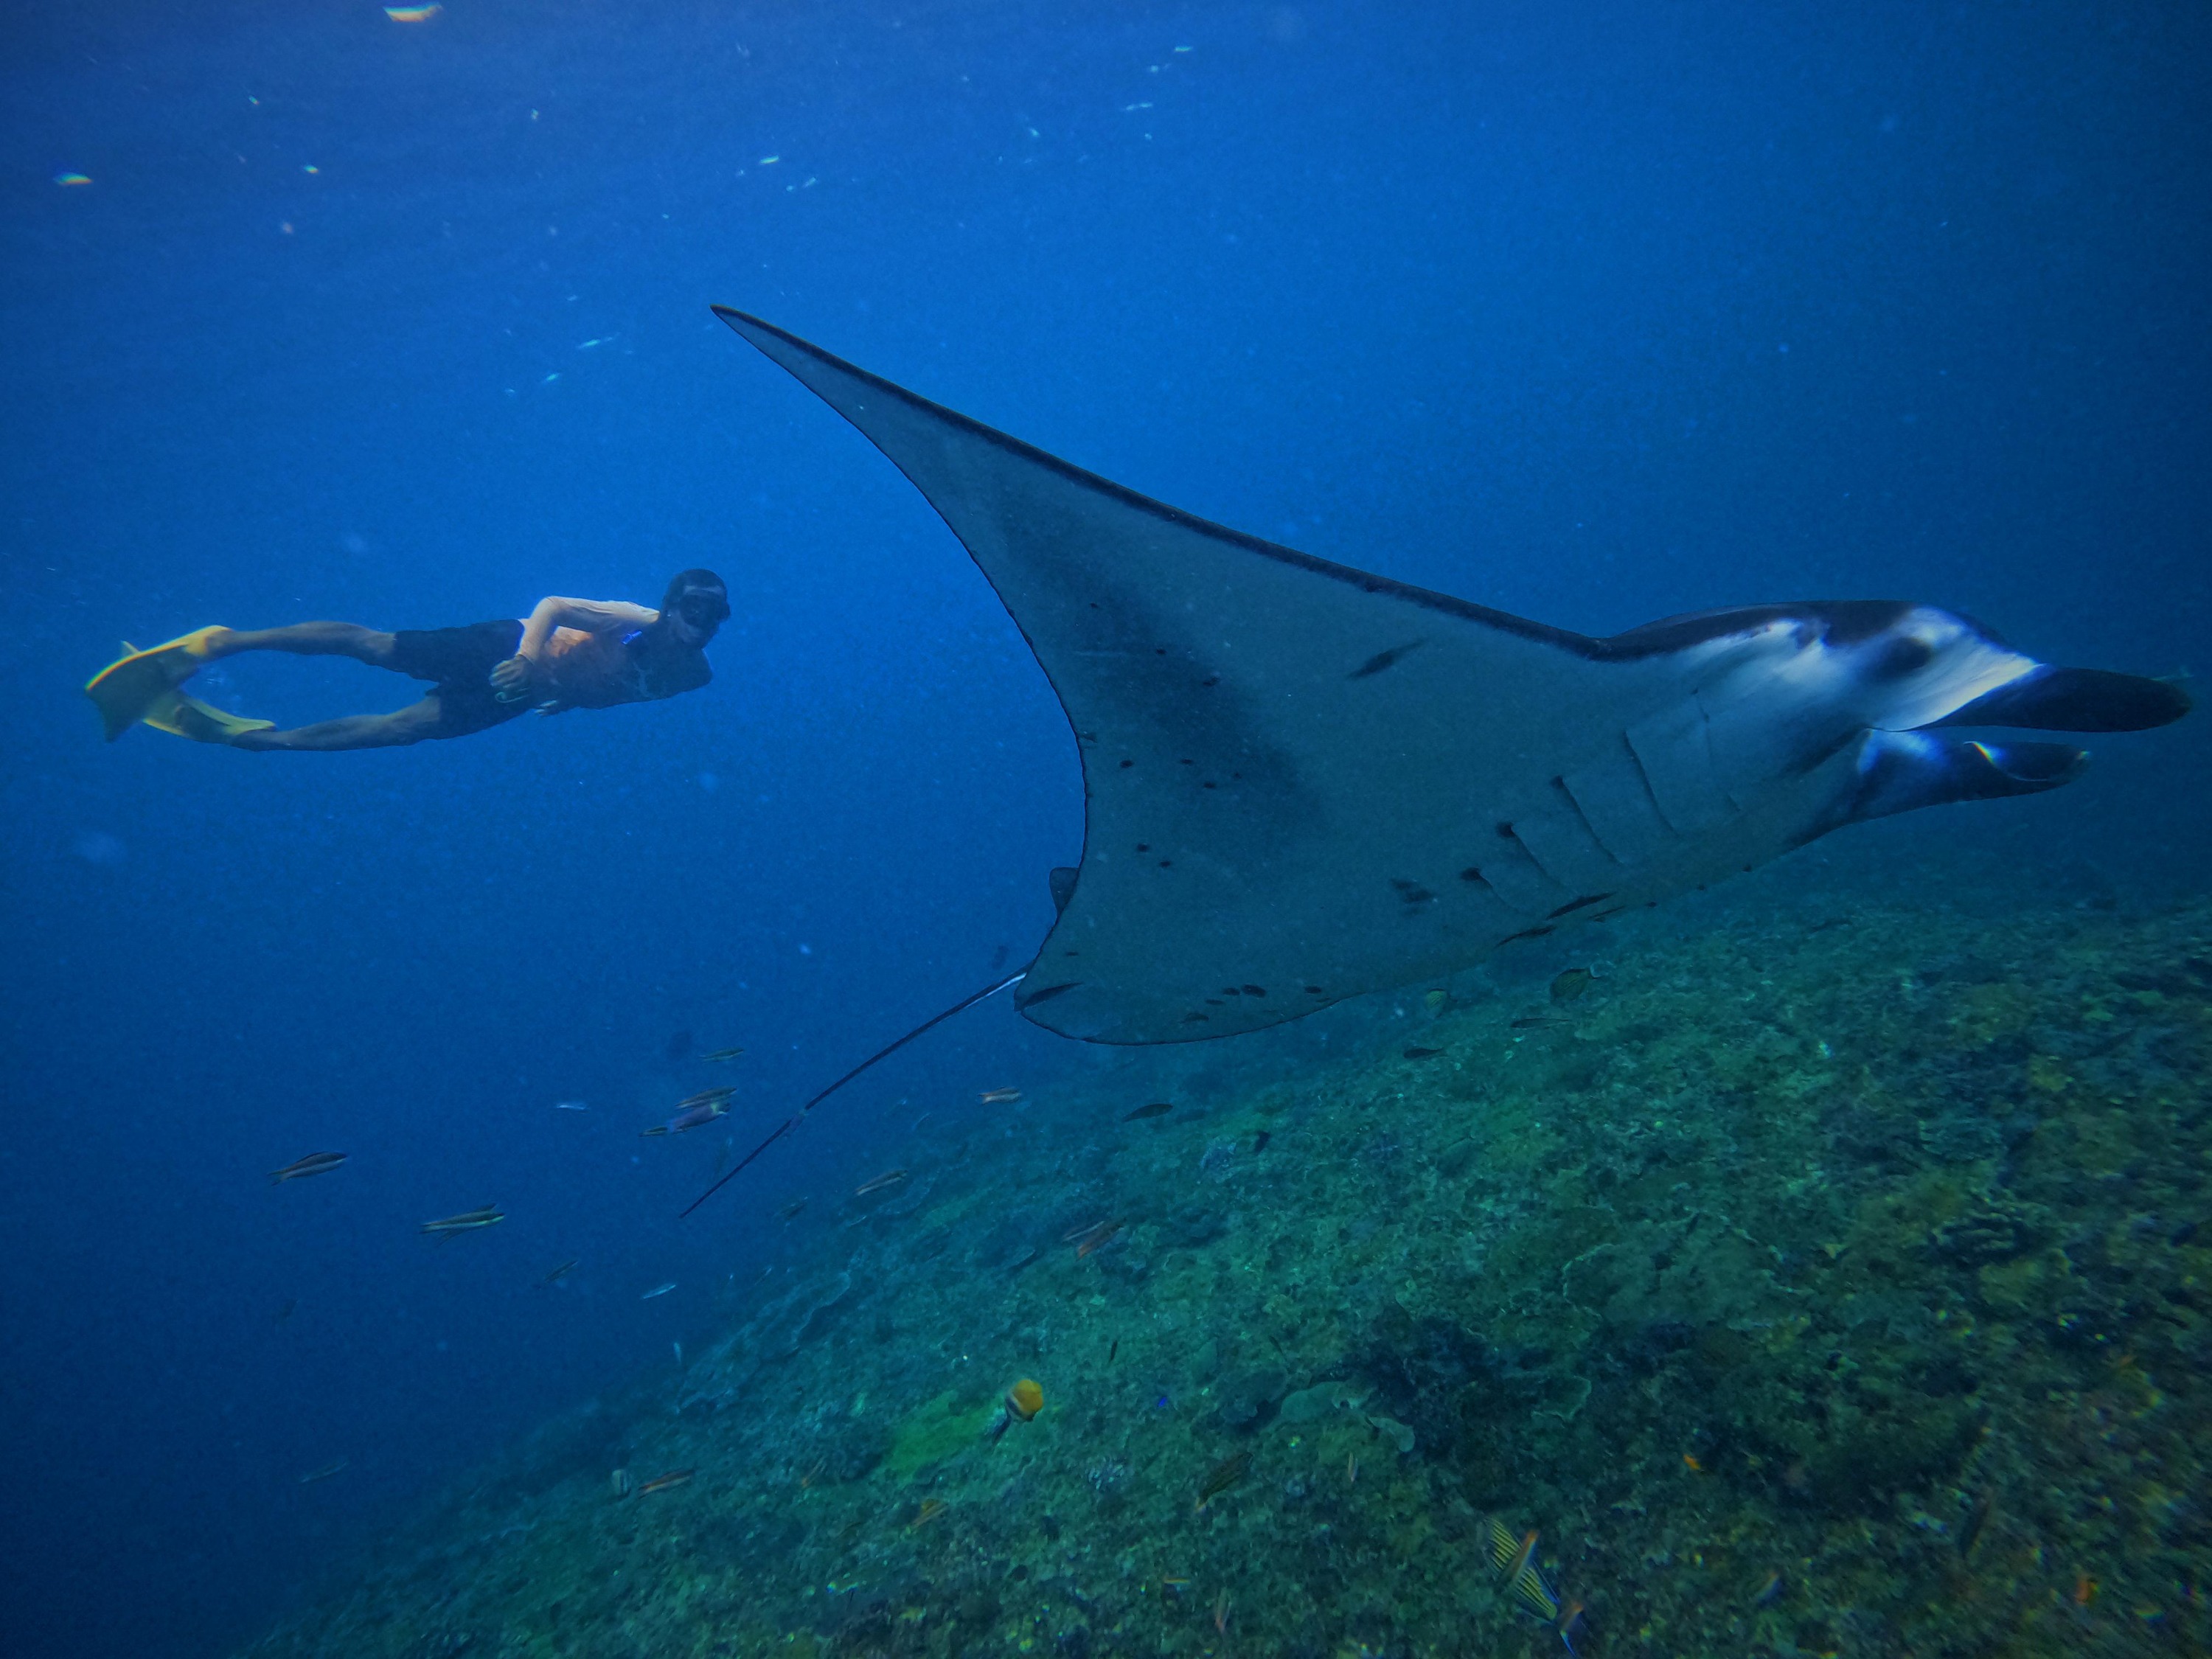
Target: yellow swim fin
column 188, row 717
column 126, row 689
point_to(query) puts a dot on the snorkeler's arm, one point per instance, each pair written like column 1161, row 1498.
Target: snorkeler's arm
column 512, row 678
column 586, row 616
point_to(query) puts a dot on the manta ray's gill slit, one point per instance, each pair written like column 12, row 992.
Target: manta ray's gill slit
column 1581, row 903
column 1574, row 806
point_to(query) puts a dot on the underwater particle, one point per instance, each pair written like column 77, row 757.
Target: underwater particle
column 667, row 1482
column 98, row 847
column 412, row 14
column 571, row 1106
column 1228, row 1472
column 69, row 179
column 314, row 1164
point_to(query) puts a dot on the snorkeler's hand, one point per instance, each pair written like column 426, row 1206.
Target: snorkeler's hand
column 510, row 680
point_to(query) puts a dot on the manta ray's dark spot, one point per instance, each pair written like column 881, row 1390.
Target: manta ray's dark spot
column 1167, row 863
column 1210, row 679
column 1214, row 1002
column 1412, row 891
column 1193, row 1019
column 1160, row 651
column 1315, row 991
column 1189, row 762
column 1255, row 990
column 1050, row 992
column 1231, row 991
column 1382, row 659
column 1143, row 847
column 1473, row 872
column 1900, row 657
column 1212, row 785
column 1584, row 903
column 1127, row 765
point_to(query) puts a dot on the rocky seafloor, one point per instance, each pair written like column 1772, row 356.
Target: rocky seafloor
column 1837, row 1282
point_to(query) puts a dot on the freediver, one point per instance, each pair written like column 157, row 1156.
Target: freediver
column 566, row 654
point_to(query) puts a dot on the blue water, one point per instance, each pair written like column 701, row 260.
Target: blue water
column 1596, row 314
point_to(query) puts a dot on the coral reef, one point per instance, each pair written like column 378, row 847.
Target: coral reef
column 1824, row 1282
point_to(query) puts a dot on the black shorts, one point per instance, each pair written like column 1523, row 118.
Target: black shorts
column 460, row 662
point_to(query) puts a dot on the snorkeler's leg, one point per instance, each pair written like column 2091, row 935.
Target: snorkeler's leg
column 313, row 639
column 413, row 724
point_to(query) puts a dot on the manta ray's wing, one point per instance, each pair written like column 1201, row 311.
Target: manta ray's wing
column 1303, row 782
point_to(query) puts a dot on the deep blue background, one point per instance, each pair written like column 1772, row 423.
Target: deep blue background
column 1593, row 312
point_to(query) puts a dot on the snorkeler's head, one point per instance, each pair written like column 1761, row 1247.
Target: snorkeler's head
column 698, row 596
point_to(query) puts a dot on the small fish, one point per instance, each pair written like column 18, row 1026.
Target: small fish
column 1157, row 1108
column 412, row 14
column 1224, row 1475
column 1260, row 1141
column 813, row 1474
column 1530, row 1022
column 665, row 1482
column 1770, row 1592
column 889, row 1178
column 1112, row 1348
column 1435, row 1000
column 1000, row 1097
column 570, row 1106
column 72, row 179
column 559, row 1273
column 930, row 1510
column 1567, row 986
column 1221, row 1605
column 792, row 1208
column 1970, row 1530
column 691, row 1117
column 322, row 1473
column 722, row 1054
column 1351, row 1468
column 467, row 1221
column 657, row 1290
column 1097, row 1238
column 1691, row 1464
column 1423, row 1053
column 708, row 1096
column 679, row 1346
column 314, row 1163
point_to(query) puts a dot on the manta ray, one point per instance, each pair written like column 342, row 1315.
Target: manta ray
column 1304, row 783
